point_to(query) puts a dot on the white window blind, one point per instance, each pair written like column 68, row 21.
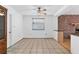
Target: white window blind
column 38, row 24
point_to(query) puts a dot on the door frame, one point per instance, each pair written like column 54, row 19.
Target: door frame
column 5, row 21
column 5, row 27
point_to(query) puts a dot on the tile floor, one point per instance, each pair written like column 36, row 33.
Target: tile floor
column 37, row 46
column 66, row 44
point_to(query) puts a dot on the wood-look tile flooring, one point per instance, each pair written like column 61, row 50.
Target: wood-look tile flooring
column 37, row 46
column 66, row 44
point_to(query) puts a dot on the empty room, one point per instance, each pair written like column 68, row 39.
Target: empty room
column 39, row 29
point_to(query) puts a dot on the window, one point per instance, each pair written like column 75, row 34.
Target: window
column 38, row 24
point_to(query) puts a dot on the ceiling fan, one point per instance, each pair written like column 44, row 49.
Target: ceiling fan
column 40, row 11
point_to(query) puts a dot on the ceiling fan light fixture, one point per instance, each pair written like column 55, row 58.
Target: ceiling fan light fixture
column 40, row 11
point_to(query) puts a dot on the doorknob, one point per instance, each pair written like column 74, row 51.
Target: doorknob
column 9, row 32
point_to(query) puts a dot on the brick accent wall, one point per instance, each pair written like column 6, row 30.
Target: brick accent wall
column 65, row 22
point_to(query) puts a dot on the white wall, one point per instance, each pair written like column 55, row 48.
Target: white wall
column 50, row 25
column 17, row 21
column 55, row 27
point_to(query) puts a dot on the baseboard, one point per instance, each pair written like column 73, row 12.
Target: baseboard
column 14, row 43
column 37, row 38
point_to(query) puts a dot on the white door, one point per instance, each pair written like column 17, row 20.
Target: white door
column 10, row 30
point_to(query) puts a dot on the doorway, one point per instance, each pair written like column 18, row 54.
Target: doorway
column 3, row 30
